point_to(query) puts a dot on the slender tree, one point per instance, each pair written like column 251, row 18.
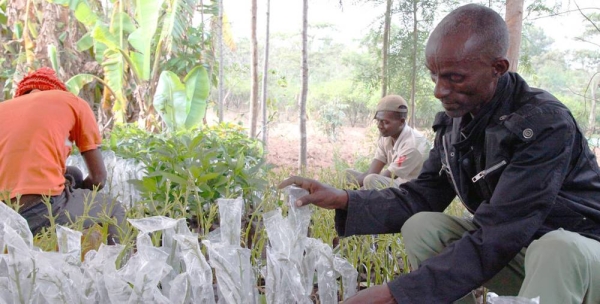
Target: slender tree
column 514, row 21
column 220, row 33
column 302, row 159
column 413, row 82
column 386, row 47
column 265, row 78
column 592, row 30
column 594, row 83
column 254, row 74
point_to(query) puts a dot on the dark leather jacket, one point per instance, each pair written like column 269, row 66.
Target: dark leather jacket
column 521, row 166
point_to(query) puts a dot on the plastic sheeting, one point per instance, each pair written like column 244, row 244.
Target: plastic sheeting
column 176, row 270
column 293, row 259
column 121, row 171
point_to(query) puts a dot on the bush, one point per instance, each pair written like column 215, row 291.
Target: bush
column 188, row 170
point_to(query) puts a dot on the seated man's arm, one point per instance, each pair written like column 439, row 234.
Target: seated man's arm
column 375, row 168
column 97, row 170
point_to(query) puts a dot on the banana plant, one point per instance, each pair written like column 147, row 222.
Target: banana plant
column 182, row 105
column 129, row 48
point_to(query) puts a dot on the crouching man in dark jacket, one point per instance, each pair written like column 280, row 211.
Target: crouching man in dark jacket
column 515, row 158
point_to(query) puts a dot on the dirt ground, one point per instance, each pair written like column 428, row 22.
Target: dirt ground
column 284, row 146
column 283, row 150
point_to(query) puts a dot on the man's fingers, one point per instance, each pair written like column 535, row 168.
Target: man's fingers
column 301, row 182
column 288, row 182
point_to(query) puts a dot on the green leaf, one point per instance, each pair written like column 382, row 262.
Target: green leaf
column 206, row 177
column 53, row 56
column 197, row 86
column 85, row 42
column 75, row 83
column 32, row 29
column 137, row 64
column 114, row 68
column 168, row 24
column 174, row 178
column 99, row 49
column 147, row 17
column 62, row 37
column 241, row 161
column 18, row 30
column 126, row 24
column 101, row 34
column 170, row 101
column 84, row 14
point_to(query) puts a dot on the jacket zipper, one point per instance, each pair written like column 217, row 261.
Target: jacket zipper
column 449, row 171
column 485, row 172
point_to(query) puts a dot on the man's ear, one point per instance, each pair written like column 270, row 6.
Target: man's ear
column 500, row 66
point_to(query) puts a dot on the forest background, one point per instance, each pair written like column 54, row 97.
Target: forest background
column 558, row 52
column 128, row 59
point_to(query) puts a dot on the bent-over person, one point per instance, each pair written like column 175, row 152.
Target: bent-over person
column 40, row 127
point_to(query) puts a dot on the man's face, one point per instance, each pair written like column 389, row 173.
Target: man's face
column 389, row 124
column 464, row 79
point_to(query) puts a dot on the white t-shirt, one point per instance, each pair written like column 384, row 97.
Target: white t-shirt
column 405, row 157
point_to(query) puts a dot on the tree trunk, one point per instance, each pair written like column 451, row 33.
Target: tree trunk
column 592, row 117
column 48, row 35
column 220, row 89
column 265, row 78
column 413, row 80
column 385, row 48
column 514, row 21
column 254, row 74
column 302, row 160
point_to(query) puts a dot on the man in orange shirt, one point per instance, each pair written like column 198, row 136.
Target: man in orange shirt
column 39, row 127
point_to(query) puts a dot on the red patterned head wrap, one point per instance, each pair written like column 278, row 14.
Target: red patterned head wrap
column 43, row 79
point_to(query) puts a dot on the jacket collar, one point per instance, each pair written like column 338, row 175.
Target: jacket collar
column 473, row 128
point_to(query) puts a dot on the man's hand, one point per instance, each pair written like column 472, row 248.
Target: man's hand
column 320, row 195
column 379, row 294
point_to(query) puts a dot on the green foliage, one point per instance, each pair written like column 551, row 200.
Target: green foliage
column 331, row 118
column 534, row 43
column 189, row 169
column 130, row 40
column 11, row 51
column 182, row 105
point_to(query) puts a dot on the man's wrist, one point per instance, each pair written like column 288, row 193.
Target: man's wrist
column 343, row 200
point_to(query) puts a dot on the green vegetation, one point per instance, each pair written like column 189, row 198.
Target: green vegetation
column 188, row 170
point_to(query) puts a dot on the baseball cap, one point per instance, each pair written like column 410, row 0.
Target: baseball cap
column 392, row 103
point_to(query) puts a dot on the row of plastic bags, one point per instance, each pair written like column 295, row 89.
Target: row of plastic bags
column 177, row 271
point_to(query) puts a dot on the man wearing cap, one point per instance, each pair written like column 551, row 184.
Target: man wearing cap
column 401, row 148
column 39, row 128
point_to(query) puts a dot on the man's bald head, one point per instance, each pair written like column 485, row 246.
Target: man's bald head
column 486, row 28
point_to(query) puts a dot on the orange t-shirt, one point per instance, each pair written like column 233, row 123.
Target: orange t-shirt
column 37, row 132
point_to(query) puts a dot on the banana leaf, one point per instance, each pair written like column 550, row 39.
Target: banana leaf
column 170, row 100
column 197, row 86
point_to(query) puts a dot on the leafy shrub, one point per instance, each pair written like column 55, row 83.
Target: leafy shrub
column 331, row 118
column 188, row 170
